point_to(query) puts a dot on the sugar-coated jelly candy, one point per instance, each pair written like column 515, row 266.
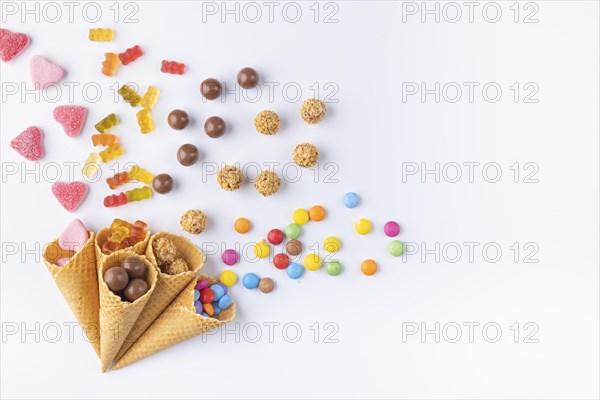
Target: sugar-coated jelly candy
column 106, row 123
column 29, row 143
column 131, row 54
column 101, row 35
column 130, row 95
column 12, row 44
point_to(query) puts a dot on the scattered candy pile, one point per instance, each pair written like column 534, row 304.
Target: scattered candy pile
column 122, row 234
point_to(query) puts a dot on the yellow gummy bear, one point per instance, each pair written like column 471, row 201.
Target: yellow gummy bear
column 112, row 152
column 141, row 174
column 91, row 165
column 130, row 95
column 150, row 97
column 102, row 35
column 145, row 121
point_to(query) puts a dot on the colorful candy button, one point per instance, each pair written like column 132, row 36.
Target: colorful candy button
column 225, row 302
column 218, row 291
column 396, row 248
column 228, row 278
column 363, row 226
column 281, row 261
column 242, row 225
column 331, row 244
column 275, row 236
column 293, row 231
column 230, row 257
column 300, row 216
column 262, row 249
column 333, row 268
column 368, row 267
column 317, row 213
column 391, row 229
column 351, row 200
column 207, row 296
column 295, row 270
column 250, row 280
column 196, row 295
column 312, row 262
column 202, row 284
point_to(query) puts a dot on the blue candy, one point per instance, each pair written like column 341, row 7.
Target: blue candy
column 223, row 286
column 225, row 302
column 250, row 281
column 196, row 295
column 351, row 199
column 219, row 292
column 205, row 315
column 295, row 270
column 216, row 308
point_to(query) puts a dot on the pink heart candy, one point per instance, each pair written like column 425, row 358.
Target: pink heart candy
column 70, row 194
column 29, row 143
column 45, row 73
column 71, row 118
column 74, row 236
column 12, row 44
column 61, row 262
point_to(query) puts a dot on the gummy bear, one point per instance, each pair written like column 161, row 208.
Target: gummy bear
column 172, row 67
column 91, row 165
column 110, row 64
column 140, row 174
column 112, row 152
column 139, row 194
column 115, row 200
column 134, row 173
column 131, row 54
column 104, row 139
column 101, row 35
column 150, row 97
column 145, row 121
column 130, row 96
column 106, row 123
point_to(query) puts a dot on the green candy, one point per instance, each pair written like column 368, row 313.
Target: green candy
column 293, row 231
column 333, row 268
column 396, row 248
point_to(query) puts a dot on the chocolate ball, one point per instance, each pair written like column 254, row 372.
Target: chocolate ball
column 116, row 278
column 136, row 289
column 188, row 154
column 266, row 285
column 210, row 89
column 135, row 267
column 293, row 247
column 162, row 183
column 215, row 127
column 178, row 119
column 247, row 78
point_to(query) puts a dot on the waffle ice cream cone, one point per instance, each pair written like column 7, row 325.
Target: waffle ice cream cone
column 178, row 322
column 102, row 236
column 78, row 283
column 117, row 317
column 167, row 286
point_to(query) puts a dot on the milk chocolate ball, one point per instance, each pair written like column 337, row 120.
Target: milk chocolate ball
column 247, row 78
column 210, row 89
column 162, row 183
column 136, row 289
column 135, row 267
column 188, row 154
column 214, row 127
column 178, row 119
column 116, row 278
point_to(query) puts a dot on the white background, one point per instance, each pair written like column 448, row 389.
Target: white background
column 369, row 133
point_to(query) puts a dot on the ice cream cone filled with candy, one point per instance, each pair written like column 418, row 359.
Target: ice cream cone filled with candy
column 195, row 311
column 126, row 283
column 71, row 260
column 178, row 261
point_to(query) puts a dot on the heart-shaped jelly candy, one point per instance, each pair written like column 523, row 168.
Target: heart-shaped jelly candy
column 12, row 44
column 71, row 118
column 44, row 72
column 29, row 143
column 70, row 194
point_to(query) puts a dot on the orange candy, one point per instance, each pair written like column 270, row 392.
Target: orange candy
column 208, row 308
column 317, row 213
column 368, row 267
column 242, row 225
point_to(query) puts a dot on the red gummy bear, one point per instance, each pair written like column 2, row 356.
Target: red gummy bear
column 172, row 67
column 130, row 55
column 115, row 200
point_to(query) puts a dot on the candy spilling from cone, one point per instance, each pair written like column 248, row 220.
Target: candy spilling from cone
column 154, row 311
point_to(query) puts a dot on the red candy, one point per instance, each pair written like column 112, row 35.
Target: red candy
column 71, row 118
column 130, row 55
column 12, row 44
column 172, row 67
column 207, row 296
column 70, row 194
column 275, row 236
column 115, row 200
column 281, row 261
column 29, row 143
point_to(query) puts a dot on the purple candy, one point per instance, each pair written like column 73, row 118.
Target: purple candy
column 230, row 257
column 198, row 306
column 391, row 228
column 203, row 284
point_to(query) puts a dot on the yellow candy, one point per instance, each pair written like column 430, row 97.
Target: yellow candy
column 150, row 97
column 228, row 277
column 141, row 174
column 262, row 249
column 111, row 152
column 91, row 165
column 145, row 121
column 331, row 244
column 363, row 226
column 101, row 35
column 312, row 262
column 130, row 95
column 300, row 216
